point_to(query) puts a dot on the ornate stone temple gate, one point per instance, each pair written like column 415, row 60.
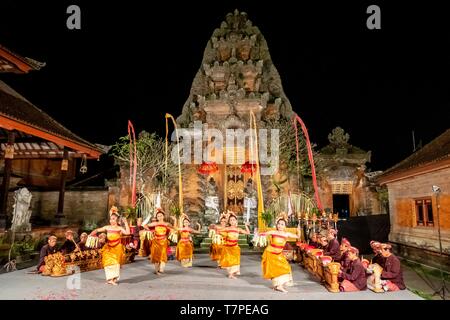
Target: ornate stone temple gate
column 236, row 77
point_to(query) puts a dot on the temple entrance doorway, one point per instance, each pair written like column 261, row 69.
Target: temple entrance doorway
column 341, row 205
column 234, row 189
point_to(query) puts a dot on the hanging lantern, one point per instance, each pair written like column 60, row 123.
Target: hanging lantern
column 83, row 166
column 248, row 167
column 208, row 167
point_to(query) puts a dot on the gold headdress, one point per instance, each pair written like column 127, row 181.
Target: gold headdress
column 159, row 210
column 183, row 217
column 114, row 210
column 223, row 216
column 231, row 214
column 281, row 215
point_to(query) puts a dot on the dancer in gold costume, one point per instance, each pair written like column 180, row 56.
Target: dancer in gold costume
column 113, row 251
column 159, row 244
column 216, row 248
column 231, row 252
column 185, row 246
column 274, row 264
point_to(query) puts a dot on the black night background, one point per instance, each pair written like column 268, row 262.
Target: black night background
column 135, row 61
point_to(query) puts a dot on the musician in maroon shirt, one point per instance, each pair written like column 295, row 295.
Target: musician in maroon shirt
column 355, row 276
column 313, row 241
column 332, row 249
column 392, row 275
column 344, row 259
column 378, row 257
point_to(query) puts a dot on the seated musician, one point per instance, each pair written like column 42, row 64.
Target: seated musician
column 69, row 245
column 136, row 236
column 323, row 242
column 344, row 259
column 49, row 248
column 313, row 240
column 378, row 257
column 354, row 279
column 101, row 240
column 82, row 243
column 392, row 275
column 332, row 249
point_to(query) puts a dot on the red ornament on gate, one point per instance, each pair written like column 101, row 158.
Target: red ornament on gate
column 208, row 167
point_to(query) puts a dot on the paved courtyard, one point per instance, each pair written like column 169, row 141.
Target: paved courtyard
column 203, row 281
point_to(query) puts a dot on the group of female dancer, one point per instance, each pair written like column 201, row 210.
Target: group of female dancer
column 226, row 251
column 274, row 264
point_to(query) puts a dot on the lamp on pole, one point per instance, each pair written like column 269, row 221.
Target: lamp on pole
column 441, row 290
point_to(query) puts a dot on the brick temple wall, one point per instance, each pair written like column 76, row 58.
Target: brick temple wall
column 79, row 205
column 404, row 229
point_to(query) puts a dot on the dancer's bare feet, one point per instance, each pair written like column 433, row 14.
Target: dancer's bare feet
column 280, row 289
column 231, row 276
column 110, row 282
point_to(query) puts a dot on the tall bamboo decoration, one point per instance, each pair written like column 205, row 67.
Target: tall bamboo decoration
column 296, row 119
column 261, row 223
column 133, row 162
column 180, row 182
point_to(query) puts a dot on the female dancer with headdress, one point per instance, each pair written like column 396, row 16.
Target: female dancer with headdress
column 113, row 251
column 216, row 248
column 159, row 243
column 185, row 247
column 274, row 264
column 231, row 252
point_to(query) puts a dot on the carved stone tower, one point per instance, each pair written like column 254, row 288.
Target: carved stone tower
column 236, row 76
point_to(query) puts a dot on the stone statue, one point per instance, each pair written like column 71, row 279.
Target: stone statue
column 22, row 212
column 339, row 138
column 211, row 188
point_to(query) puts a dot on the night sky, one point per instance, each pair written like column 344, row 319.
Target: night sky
column 137, row 61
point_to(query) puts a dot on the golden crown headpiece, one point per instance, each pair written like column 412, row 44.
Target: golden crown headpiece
column 223, row 216
column 183, row 217
column 231, row 214
column 113, row 210
column 281, row 216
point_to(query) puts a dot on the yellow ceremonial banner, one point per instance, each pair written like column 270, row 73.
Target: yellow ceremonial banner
column 261, row 223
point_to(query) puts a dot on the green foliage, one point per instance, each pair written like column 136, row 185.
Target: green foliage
column 131, row 215
column 288, row 148
column 89, row 225
column 175, row 210
column 150, row 157
column 268, row 216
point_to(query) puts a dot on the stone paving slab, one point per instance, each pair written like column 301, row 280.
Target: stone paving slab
column 202, row 282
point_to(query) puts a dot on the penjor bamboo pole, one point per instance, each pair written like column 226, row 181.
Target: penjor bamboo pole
column 180, row 182
column 261, row 223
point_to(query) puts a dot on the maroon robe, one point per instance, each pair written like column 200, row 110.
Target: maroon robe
column 392, row 271
column 314, row 244
column 333, row 249
column 379, row 259
column 344, row 261
column 356, row 274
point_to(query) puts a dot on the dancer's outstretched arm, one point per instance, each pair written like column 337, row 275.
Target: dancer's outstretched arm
column 246, row 231
column 95, row 231
column 125, row 231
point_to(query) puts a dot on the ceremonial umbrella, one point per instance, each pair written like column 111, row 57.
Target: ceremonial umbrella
column 208, row 167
